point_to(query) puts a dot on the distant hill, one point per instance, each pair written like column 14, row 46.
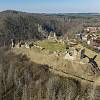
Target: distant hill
column 77, row 14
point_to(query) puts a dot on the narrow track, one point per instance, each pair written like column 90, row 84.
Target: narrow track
column 65, row 74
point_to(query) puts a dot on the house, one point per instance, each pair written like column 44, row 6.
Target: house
column 96, row 43
column 91, row 29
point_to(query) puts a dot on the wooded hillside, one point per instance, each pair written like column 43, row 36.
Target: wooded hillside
column 24, row 26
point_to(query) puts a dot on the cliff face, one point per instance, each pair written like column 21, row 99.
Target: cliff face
column 21, row 79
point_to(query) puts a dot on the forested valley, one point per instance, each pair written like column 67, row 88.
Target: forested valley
column 24, row 26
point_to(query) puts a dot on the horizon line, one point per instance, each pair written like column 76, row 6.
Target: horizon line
column 50, row 12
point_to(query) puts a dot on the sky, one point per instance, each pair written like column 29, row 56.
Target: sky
column 52, row 6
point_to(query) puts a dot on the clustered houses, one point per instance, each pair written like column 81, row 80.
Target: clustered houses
column 91, row 35
column 96, row 43
column 91, row 29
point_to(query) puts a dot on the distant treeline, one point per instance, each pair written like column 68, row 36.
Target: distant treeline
column 24, row 26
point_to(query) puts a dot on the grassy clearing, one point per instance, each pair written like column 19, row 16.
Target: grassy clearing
column 51, row 45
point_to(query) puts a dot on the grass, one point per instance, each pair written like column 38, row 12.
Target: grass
column 73, row 68
column 51, row 45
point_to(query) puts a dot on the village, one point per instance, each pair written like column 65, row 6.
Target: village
column 91, row 36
